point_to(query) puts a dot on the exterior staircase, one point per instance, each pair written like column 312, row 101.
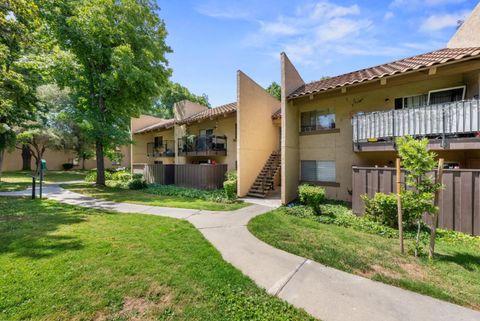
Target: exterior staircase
column 265, row 180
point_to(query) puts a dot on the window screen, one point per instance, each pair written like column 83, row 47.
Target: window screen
column 318, row 171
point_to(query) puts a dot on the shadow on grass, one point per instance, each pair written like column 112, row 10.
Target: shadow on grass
column 467, row 261
column 28, row 227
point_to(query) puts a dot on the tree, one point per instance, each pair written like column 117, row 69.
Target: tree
column 172, row 94
column 18, row 23
column 418, row 162
column 119, row 47
column 275, row 90
column 38, row 139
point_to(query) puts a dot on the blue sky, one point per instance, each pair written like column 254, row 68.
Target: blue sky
column 212, row 39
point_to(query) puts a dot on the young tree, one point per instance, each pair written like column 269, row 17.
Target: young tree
column 172, row 94
column 120, row 50
column 275, row 90
column 418, row 162
column 18, row 22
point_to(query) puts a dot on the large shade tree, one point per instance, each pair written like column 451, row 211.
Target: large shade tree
column 173, row 93
column 18, row 77
column 119, row 47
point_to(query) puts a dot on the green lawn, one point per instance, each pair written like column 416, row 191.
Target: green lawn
column 20, row 180
column 453, row 276
column 145, row 198
column 60, row 262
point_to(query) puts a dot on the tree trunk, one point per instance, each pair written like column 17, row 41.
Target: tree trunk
column 26, row 158
column 100, row 163
column 2, row 154
column 83, row 162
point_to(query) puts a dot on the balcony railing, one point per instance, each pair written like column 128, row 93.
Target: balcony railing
column 164, row 149
column 456, row 119
column 203, row 145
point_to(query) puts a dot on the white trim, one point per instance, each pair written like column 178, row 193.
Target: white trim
column 445, row 89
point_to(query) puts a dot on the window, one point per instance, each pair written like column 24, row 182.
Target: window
column 158, row 142
column 411, row 101
column 317, row 120
column 446, row 95
column 318, row 171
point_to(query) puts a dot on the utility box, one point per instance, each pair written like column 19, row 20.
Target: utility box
column 43, row 165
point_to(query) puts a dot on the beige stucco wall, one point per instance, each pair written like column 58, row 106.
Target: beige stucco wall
column 468, row 35
column 221, row 126
column 258, row 136
column 291, row 80
column 364, row 98
column 55, row 159
column 139, row 147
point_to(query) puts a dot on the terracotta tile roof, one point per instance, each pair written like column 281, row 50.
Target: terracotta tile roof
column 277, row 114
column 396, row 67
column 163, row 124
column 222, row 110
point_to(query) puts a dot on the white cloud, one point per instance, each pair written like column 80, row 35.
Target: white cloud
column 224, row 10
column 419, row 3
column 311, row 29
column 388, row 15
column 441, row 21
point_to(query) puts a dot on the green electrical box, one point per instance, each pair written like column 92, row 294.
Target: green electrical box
column 43, row 164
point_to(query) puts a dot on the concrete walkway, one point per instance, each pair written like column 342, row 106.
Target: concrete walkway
column 326, row 293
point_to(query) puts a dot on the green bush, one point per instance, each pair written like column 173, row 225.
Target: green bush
column 172, row 190
column 231, row 175
column 92, row 176
column 122, row 176
column 136, row 184
column 381, row 208
column 311, row 196
column 300, row 211
column 230, row 188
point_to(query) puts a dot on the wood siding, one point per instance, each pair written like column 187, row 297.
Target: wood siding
column 200, row 176
column 459, row 200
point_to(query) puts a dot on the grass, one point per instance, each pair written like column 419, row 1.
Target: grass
column 454, row 275
column 20, row 180
column 60, row 262
column 145, row 198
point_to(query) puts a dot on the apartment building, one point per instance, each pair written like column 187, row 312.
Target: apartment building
column 353, row 119
column 243, row 135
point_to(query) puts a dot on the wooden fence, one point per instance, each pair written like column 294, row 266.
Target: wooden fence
column 156, row 173
column 200, row 176
column 459, row 200
column 185, row 175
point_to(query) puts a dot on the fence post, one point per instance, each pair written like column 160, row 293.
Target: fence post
column 33, row 187
column 438, row 180
column 399, row 206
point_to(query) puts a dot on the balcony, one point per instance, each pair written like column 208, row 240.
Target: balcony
column 203, row 145
column 165, row 148
column 453, row 125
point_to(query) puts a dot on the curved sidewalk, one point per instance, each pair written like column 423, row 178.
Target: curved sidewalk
column 326, row 293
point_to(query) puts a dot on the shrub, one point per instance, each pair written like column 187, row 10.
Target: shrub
column 136, row 184
column 67, row 166
column 301, row 211
column 230, row 185
column 381, row 208
column 92, row 176
column 122, row 176
column 230, row 188
column 311, row 196
column 171, row 190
